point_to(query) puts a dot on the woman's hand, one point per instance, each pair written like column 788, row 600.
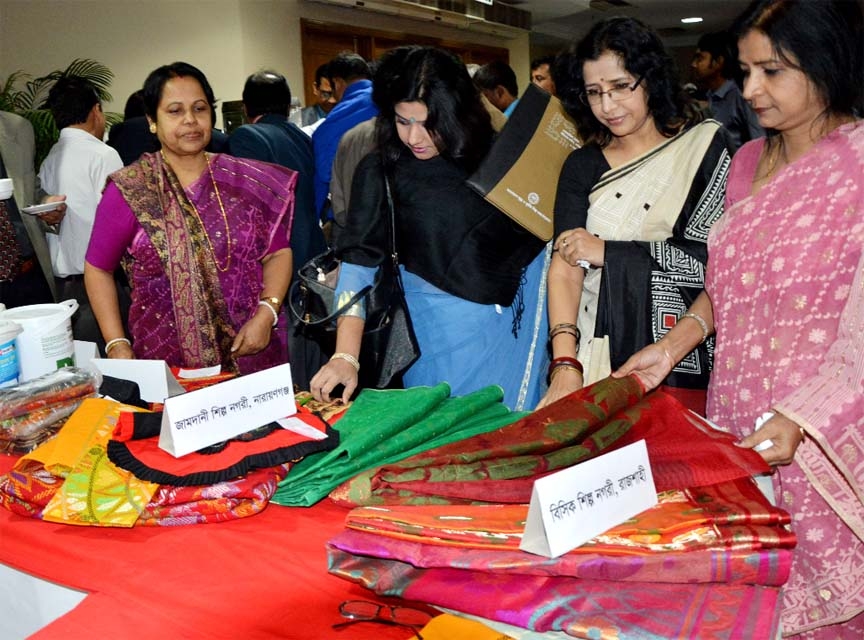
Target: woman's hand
column 577, row 246
column 331, row 375
column 564, row 382
column 783, row 432
column 254, row 335
column 651, row 365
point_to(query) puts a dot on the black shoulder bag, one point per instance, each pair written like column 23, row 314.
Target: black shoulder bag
column 389, row 345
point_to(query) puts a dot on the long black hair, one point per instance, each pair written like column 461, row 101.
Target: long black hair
column 457, row 121
column 644, row 57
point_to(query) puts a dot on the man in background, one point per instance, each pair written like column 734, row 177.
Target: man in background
column 272, row 138
column 26, row 276
column 77, row 166
column 497, row 81
column 714, row 69
column 541, row 73
column 311, row 116
column 351, row 79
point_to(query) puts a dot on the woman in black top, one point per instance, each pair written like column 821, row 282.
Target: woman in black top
column 464, row 263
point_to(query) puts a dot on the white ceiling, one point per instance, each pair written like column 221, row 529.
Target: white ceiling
column 556, row 23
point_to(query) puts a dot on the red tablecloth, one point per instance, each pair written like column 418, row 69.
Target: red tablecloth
column 260, row 577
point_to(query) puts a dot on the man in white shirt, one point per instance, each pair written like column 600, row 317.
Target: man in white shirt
column 77, row 166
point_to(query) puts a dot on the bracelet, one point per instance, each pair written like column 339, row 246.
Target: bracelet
column 264, row 303
column 347, row 357
column 273, row 301
column 702, row 324
column 563, row 366
column 564, row 361
column 561, row 326
column 113, row 343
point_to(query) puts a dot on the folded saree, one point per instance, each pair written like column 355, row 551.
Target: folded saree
column 70, row 479
column 501, row 465
column 387, row 426
column 730, row 515
column 592, row 609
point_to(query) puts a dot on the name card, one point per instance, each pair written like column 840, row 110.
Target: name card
column 572, row 506
column 154, row 377
column 222, row 411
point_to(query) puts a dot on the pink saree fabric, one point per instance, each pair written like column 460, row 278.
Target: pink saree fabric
column 185, row 310
column 786, row 278
column 591, row 609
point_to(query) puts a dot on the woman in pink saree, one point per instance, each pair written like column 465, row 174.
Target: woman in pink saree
column 785, row 297
column 204, row 240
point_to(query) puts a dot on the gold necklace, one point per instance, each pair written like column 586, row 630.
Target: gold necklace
column 774, row 158
column 201, row 222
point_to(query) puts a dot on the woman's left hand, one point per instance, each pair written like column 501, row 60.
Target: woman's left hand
column 254, row 335
column 578, row 246
column 785, row 434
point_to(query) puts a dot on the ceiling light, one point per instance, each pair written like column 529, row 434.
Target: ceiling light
column 692, row 20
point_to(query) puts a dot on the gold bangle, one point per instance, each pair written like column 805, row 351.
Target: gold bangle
column 347, row 357
column 113, row 343
column 273, row 301
column 565, row 366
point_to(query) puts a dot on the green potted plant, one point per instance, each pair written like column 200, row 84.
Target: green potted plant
column 24, row 95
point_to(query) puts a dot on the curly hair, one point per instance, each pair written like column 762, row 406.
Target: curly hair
column 457, row 122
column 643, row 56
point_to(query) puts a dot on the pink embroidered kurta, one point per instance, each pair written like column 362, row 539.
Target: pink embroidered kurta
column 786, row 280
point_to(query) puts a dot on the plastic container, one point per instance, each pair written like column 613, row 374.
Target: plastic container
column 9, row 368
column 45, row 342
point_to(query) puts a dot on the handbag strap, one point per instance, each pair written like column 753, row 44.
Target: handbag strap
column 393, row 253
column 357, row 297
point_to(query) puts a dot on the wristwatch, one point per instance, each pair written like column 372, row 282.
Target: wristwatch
column 273, row 301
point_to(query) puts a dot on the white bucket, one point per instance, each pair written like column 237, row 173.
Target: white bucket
column 46, row 342
column 8, row 353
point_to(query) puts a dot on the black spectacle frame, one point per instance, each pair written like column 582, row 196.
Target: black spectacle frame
column 367, row 611
column 583, row 95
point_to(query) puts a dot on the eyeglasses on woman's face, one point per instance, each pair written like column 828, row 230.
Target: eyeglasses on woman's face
column 367, row 611
column 619, row 92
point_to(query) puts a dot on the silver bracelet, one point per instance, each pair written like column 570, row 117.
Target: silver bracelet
column 264, row 303
column 347, row 357
column 702, row 324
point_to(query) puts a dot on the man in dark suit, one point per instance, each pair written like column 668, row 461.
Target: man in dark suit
column 272, row 138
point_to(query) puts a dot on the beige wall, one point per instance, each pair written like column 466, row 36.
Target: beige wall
column 226, row 39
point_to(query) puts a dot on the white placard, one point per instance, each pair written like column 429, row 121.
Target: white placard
column 154, row 378
column 572, row 506
column 85, row 353
column 200, row 418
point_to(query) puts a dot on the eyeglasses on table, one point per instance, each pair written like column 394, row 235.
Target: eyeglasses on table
column 393, row 615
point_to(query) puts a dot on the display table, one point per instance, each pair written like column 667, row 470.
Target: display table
column 259, row 577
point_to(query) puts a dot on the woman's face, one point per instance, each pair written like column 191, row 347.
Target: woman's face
column 411, row 127
column 782, row 96
column 183, row 117
column 628, row 115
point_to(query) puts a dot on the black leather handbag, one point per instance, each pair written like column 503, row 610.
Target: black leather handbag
column 389, row 345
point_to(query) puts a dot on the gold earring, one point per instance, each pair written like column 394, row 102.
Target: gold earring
column 152, row 127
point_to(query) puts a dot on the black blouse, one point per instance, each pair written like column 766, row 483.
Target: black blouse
column 445, row 232
column 580, row 172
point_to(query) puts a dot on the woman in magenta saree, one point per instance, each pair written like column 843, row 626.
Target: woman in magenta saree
column 204, row 240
